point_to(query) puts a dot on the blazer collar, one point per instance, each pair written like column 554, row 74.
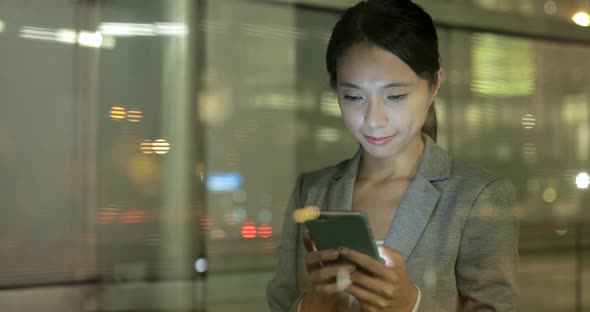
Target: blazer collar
column 435, row 163
column 418, row 201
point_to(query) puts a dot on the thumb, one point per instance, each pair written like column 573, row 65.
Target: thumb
column 390, row 256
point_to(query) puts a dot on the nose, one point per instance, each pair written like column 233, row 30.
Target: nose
column 376, row 116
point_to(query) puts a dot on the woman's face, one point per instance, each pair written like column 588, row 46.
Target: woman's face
column 383, row 102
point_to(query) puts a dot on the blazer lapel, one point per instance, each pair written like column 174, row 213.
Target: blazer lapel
column 412, row 216
column 342, row 187
column 419, row 200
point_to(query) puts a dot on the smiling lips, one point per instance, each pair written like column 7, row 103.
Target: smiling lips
column 379, row 140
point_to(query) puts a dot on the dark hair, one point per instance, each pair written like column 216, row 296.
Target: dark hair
column 398, row 26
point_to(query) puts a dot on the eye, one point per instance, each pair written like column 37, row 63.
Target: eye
column 398, row 97
column 352, row 98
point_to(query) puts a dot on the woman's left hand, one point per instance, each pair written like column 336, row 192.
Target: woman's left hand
column 378, row 286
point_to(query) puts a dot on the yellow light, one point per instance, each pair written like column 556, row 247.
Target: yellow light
column 161, row 146
column 582, row 19
column 306, row 214
column 118, row 113
column 134, row 115
column 146, row 147
column 549, row 195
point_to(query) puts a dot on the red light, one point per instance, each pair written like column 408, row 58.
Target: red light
column 265, row 231
column 133, row 217
column 106, row 217
column 249, row 229
column 206, row 222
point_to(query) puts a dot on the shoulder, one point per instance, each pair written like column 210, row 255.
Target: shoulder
column 470, row 175
column 481, row 187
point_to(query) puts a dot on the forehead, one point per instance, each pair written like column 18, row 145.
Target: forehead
column 365, row 63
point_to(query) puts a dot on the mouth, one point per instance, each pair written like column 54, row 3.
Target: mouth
column 378, row 140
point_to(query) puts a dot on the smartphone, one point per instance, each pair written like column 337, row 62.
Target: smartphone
column 335, row 229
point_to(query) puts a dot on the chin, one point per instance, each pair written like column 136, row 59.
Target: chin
column 380, row 152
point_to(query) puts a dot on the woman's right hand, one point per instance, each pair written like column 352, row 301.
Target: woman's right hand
column 328, row 279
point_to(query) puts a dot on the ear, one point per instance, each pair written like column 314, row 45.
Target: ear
column 437, row 84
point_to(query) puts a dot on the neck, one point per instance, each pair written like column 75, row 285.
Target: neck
column 403, row 165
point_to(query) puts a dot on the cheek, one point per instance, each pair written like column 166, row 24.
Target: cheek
column 351, row 117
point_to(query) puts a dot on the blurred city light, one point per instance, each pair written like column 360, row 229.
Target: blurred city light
column 108, row 215
column 133, row 217
column 583, row 180
column 206, row 222
column 561, row 232
column 265, row 231
column 224, row 181
column 329, row 104
column 2, row 25
column 502, row 66
column 249, row 229
column 529, row 151
column 134, row 115
column 550, row 7
column 146, row 147
column 201, row 265
column 67, row 36
column 89, row 39
column 117, row 113
column 327, row 134
column 138, row 29
column 217, row 234
column 161, row 146
column 528, row 121
column 549, row 195
column 582, row 19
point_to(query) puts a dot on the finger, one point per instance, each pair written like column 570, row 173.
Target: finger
column 327, row 274
column 315, row 258
column 368, row 297
column 374, row 284
column 366, row 262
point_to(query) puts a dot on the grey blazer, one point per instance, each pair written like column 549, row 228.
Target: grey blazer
column 456, row 228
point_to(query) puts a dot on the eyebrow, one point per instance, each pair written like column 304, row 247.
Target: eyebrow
column 389, row 85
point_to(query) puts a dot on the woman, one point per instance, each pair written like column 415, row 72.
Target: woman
column 450, row 231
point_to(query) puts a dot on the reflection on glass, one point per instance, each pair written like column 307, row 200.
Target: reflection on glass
column 502, row 66
column 68, row 36
column 550, row 7
column 549, row 195
column 582, row 180
column 582, row 19
column 528, row 121
column 117, row 113
column 139, row 29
